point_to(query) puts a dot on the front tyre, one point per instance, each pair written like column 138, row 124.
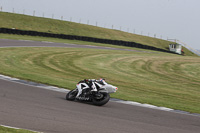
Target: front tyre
column 72, row 95
column 99, row 101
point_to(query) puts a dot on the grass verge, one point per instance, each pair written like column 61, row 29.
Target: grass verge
column 160, row 79
column 12, row 130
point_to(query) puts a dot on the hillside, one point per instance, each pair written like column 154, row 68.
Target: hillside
column 24, row 22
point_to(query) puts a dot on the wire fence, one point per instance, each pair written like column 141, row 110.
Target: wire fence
column 86, row 21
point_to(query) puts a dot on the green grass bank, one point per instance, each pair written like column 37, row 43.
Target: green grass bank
column 24, row 22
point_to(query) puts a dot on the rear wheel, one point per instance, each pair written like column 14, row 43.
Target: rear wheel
column 101, row 100
column 72, row 95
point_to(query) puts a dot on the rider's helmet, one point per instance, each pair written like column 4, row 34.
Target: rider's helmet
column 102, row 81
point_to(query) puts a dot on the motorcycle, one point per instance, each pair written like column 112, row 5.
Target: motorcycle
column 92, row 90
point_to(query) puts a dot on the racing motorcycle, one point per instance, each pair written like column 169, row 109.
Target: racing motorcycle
column 92, row 90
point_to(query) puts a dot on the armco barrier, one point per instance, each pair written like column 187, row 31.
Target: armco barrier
column 81, row 38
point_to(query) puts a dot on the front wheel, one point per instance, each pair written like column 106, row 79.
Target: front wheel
column 103, row 99
column 71, row 95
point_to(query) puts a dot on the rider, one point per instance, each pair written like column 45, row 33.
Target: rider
column 93, row 85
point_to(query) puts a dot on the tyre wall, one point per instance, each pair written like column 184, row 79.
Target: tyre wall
column 81, row 38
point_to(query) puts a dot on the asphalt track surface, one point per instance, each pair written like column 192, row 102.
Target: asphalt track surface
column 38, row 109
column 27, row 43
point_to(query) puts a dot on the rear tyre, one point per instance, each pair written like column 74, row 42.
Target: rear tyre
column 71, row 96
column 99, row 101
